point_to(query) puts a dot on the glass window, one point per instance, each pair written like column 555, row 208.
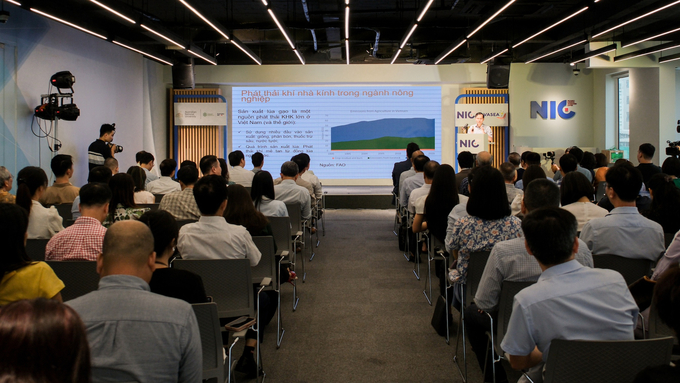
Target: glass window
column 622, row 115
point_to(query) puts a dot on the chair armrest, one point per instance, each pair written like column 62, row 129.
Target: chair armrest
column 282, row 253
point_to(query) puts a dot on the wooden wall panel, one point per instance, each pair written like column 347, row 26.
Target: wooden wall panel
column 498, row 148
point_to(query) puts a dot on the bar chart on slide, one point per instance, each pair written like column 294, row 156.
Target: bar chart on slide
column 349, row 132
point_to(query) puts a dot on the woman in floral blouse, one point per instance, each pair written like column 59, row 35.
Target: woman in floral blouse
column 489, row 222
column 122, row 206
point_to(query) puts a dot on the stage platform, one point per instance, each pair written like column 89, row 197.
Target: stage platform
column 358, row 197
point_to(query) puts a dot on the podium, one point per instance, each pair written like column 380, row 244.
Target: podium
column 473, row 143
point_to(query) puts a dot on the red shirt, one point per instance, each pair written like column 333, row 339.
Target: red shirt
column 81, row 241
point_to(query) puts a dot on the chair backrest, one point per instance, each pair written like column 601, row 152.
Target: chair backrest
column 35, row 248
column 475, row 270
column 184, row 222
column 158, row 197
column 227, row 281
column 267, row 266
column 508, row 291
column 152, row 206
column 631, row 269
column 668, row 238
column 295, row 215
column 64, row 210
column 79, row 277
column 281, row 230
column 658, row 329
column 211, row 340
column 604, row 361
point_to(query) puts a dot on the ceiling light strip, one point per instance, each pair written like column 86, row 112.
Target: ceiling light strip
column 290, row 42
column 557, row 51
column 451, row 51
column 14, row 2
column 347, row 50
column 246, row 51
column 302, row 59
column 408, row 36
column 550, row 27
column 395, row 56
column 112, row 11
column 67, row 23
column 197, row 13
column 669, row 58
column 347, row 22
column 647, row 51
column 142, row 52
column 422, row 14
column 494, row 56
column 201, row 57
column 594, row 53
column 490, row 18
column 638, row 18
column 161, row 36
column 650, row 38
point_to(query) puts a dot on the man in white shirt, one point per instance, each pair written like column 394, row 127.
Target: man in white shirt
column 428, row 174
column 410, row 172
column 509, row 173
column 309, row 176
column 413, row 182
column 146, row 162
column 290, row 192
column 165, row 184
column 238, row 174
column 258, row 162
column 480, row 128
column 210, row 165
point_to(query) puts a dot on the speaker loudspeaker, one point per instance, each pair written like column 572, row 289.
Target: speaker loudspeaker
column 497, row 76
column 183, row 75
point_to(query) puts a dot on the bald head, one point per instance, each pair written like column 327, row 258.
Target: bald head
column 484, row 158
column 416, row 154
column 128, row 249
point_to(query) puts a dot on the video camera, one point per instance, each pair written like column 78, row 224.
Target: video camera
column 673, row 149
column 118, row 148
column 550, row 156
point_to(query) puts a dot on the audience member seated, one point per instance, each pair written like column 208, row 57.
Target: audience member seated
column 569, row 301
column 239, row 174
column 165, row 184
column 61, row 191
column 428, row 174
column 509, row 173
column 43, row 341
column 210, row 165
column 510, row 261
column 588, row 163
column 174, row 283
column 5, row 186
column 667, row 301
column 141, row 196
column 568, row 164
column 213, row 238
column 22, row 278
column 99, row 174
column 531, row 158
column 578, row 155
column 309, row 176
column 225, row 171
column 646, row 167
column 42, row 222
column 290, row 192
column 465, row 162
column 516, row 160
column 577, row 198
column 624, row 231
column 413, row 182
column 671, row 166
column 483, row 158
column 122, row 206
column 665, row 207
column 258, row 162
column 146, row 162
column 182, row 204
column 601, row 167
column 402, row 166
column 188, row 162
column 302, row 165
column 488, row 223
column 134, row 334
column 410, row 172
column 262, row 193
column 112, row 164
column 83, row 240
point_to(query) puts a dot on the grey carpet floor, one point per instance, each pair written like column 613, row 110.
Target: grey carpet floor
column 362, row 316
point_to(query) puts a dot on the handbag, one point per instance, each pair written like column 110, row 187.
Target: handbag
column 642, row 291
column 439, row 319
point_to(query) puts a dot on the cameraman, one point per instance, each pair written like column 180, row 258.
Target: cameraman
column 102, row 148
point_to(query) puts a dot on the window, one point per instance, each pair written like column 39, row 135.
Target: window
column 622, row 115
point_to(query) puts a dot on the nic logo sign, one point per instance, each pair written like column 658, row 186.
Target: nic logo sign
column 551, row 109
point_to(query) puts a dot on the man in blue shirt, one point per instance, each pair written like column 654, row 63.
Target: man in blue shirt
column 569, row 301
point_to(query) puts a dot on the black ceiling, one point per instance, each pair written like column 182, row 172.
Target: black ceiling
column 318, row 32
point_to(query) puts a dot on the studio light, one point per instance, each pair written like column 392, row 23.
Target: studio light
column 63, row 80
column 67, row 23
column 449, row 52
column 129, row 20
column 550, row 27
column 638, row 18
column 594, row 53
column 557, row 51
column 494, row 56
column 490, row 18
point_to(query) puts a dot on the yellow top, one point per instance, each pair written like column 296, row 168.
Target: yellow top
column 5, row 197
column 36, row 280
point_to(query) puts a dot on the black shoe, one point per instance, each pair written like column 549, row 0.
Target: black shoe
column 247, row 365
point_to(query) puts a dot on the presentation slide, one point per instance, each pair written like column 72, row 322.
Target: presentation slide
column 349, row 132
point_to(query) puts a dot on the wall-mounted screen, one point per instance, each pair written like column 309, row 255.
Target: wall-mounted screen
column 349, row 132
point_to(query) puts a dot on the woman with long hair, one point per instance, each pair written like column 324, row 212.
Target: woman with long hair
column 576, row 194
column 225, row 170
column 665, row 206
column 43, row 341
column 263, row 196
column 438, row 204
column 122, row 206
column 241, row 211
column 42, row 222
column 138, row 175
column 21, row 277
column 601, row 167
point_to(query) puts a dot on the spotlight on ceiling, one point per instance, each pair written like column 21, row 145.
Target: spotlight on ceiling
column 63, row 80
